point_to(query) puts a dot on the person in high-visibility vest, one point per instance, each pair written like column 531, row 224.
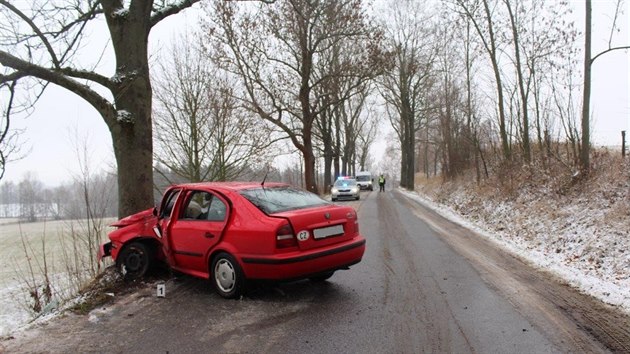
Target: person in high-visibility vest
column 381, row 183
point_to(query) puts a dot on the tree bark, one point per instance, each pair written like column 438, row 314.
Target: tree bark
column 131, row 129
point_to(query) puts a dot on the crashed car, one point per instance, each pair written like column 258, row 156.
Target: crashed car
column 233, row 232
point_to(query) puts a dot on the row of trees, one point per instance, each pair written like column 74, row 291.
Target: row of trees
column 459, row 80
column 30, row 200
column 469, row 83
column 486, row 84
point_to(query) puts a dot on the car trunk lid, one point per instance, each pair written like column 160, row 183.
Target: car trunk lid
column 322, row 226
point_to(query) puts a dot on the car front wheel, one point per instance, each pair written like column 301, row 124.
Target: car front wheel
column 134, row 260
column 227, row 276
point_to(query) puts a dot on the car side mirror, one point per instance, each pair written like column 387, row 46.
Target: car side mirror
column 155, row 211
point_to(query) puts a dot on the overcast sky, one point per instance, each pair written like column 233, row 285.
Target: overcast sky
column 60, row 116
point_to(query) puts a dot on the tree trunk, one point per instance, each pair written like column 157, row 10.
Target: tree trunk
column 521, row 84
column 131, row 129
column 586, row 144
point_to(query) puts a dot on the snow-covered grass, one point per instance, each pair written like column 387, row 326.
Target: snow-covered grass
column 22, row 266
column 579, row 230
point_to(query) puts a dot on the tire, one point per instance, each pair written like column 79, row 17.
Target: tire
column 134, row 260
column 334, row 199
column 227, row 276
column 321, row 277
column 358, row 197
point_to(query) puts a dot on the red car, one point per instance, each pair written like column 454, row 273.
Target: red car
column 231, row 232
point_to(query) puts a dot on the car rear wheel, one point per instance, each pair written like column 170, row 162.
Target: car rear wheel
column 134, row 260
column 321, row 277
column 228, row 277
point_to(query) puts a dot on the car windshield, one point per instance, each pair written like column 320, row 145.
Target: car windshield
column 279, row 199
column 363, row 178
column 345, row 182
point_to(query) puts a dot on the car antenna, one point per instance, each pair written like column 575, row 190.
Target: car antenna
column 265, row 178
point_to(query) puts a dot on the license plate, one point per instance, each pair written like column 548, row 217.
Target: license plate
column 328, row 231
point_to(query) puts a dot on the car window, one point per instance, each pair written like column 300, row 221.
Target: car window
column 203, row 205
column 279, row 199
column 363, row 178
column 170, row 202
column 345, row 183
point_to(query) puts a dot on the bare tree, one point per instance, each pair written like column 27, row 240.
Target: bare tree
column 367, row 134
column 405, row 87
column 275, row 49
column 342, row 99
column 480, row 13
column 9, row 138
column 588, row 63
column 43, row 41
column 30, row 191
column 201, row 132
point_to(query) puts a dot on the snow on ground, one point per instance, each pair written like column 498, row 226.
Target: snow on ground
column 15, row 270
column 583, row 238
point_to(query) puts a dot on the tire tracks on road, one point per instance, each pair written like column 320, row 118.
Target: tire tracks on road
column 583, row 323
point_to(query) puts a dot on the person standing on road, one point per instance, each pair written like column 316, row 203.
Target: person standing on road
column 381, row 183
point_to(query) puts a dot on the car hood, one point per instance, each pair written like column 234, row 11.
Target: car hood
column 142, row 216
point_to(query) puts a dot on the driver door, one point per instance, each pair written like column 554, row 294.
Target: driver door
column 197, row 229
column 162, row 229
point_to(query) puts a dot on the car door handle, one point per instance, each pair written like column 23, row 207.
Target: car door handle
column 209, row 235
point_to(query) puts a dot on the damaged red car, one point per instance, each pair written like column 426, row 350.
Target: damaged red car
column 232, row 232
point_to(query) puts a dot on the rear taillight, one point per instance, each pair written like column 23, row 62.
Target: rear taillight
column 285, row 237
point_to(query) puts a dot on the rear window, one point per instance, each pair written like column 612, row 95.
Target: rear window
column 363, row 178
column 279, row 199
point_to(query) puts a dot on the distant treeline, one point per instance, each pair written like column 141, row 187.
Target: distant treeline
column 31, row 200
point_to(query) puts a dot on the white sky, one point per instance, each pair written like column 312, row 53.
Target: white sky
column 50, row 129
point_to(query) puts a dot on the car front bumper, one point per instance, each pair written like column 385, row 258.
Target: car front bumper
column 345, row 195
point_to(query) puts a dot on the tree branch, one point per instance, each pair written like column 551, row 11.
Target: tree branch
column 171, row 10
column 87, row 75
column 607, row 51
column 103, row 106
column 35, row 29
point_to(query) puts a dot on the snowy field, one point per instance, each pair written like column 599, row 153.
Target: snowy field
column 15, row 270
column 579, row 243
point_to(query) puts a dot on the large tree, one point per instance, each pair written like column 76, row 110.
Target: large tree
column 405, row 86
column 202, row 133
column 481, row 16
column 588, row 63
column 42, row 40
column 275, row 51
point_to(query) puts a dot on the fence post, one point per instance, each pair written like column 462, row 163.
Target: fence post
column 623, row 143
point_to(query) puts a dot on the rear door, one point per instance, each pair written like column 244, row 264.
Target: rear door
column 197, row 229
column 322, row 226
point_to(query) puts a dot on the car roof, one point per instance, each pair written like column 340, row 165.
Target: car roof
column 231, row 186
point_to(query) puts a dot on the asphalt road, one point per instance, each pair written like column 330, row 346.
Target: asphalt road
column 424, row 285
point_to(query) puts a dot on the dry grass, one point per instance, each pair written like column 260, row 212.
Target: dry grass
column 581, row 222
